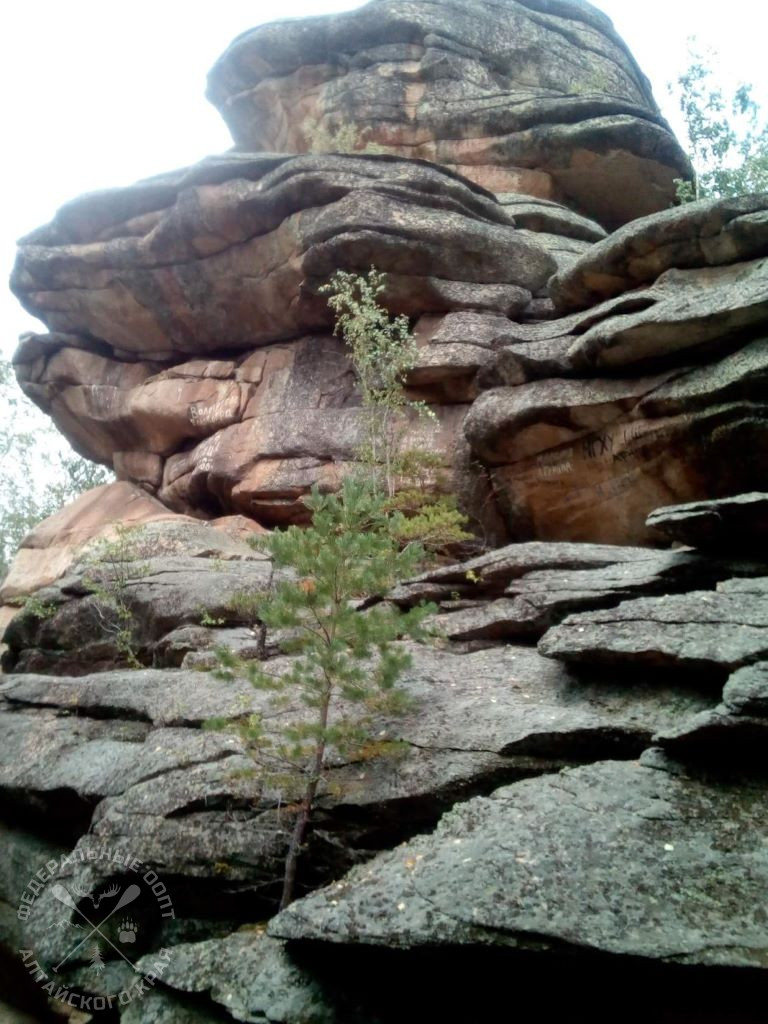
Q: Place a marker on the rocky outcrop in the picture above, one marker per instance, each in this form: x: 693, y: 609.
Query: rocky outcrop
x: 530, y: 97
x: 700, y: 632
x: 495, y: 736
x: 250, y: 430
x: 592, y: 419
x: 576, y: 787
x: 244, y: 232
x: 569, y: 370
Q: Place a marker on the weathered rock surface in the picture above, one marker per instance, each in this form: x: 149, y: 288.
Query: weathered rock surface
x: 700, y: 631
x: 521, y: 590
x: 708, y: 233
x: 56, y: 544
x: 738, y: 523
x: 733, y: 734
x: 521, y: 97
x: 534, y: 866
x: 119, y: 761
x: 577, y: 459
x: 251, y: 976
x: 118, y: 277
x: 580, y: 381
x: 477, y: 719
x: 76, y: 627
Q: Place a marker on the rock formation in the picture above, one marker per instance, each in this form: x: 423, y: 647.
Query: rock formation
x: 568, y: 369
x: 534, y: 97
x: 581, y: 788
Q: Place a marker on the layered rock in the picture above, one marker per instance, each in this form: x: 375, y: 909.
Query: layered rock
x: 138, y: 284
x: 579, y: 785
x: 190, y: 343
x: 654, y: 396
x: 530, y: 97
x: 537, y: 770
x: 738, y: 523
x: 493, y: 872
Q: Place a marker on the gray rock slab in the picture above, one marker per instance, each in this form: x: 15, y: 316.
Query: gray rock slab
x: 732, y: 736
x: 615, y: 857
x: 543, y: 597
x: 710, y: 232
x: 695, y: 631
x: 251, y: 976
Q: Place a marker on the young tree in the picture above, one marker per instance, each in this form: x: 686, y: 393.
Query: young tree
x: 727, y: 136
x: 111, y: 567
x: 345, y: 668
x: 383, y: 350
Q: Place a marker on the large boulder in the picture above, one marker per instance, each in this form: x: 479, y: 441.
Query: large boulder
x: 531, y: 97
x: 226, y: 241
x: 139, y: 284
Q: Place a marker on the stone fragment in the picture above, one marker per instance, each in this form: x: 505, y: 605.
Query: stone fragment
x: 738, y: 523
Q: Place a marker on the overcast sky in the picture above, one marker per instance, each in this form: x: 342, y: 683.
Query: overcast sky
x: 99, y: 93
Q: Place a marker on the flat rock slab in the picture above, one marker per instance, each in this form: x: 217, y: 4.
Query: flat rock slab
x: 739, y: 523
x: 665, y: 321
x: 544, y: 597
x: 732, y: 736
x: 707, y: 631
x: 613, y: 857
x: 491, y: 573
x: 710, y: 232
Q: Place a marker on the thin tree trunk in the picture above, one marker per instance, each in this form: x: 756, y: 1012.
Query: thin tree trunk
x: 297, y: 839
x: 261, y: 643
x: 305, y: 812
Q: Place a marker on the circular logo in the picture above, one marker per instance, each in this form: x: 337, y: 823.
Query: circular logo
x: 97, y: 931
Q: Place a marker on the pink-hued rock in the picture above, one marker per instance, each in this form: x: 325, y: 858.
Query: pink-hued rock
x: 543, y: 99
x: 57, y: 543
x: 238, y: 247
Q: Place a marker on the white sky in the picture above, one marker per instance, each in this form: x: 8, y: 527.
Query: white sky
x: 99, y: 93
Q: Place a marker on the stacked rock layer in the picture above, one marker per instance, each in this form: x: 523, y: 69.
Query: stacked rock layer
x: 191, y: 349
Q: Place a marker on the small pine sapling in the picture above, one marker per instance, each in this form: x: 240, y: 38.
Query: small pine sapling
x: 346, y: 664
